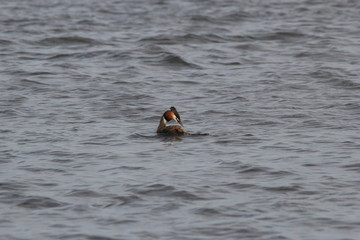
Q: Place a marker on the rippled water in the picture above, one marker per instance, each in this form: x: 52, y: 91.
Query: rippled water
x: 275, y: 84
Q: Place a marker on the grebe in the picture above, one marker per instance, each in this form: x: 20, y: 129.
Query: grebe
x: 169, y: 115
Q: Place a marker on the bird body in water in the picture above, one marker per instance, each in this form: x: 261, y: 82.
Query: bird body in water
x: 169, y: 115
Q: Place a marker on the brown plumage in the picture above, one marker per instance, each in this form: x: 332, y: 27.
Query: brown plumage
x: 172, y: 130
x: 169, y: 115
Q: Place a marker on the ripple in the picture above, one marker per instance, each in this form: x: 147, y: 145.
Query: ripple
x: 253, y: 169
x: 37, y: 202
x: 13, y: 186
x: 186, y: 38
x: 42, y: 170
x: 131, y: 168
x: 71, y: 236
x: 5, y: 42
x: 352, y: 167
x: 72, y: 40
x: 124, y: 200
x: 167, y: 207
x: 186, y: 82
x: 280, y: 35
x: 83, y: 193
x: 31, y: 83
x: 207, y: 212
x: 79, y: 55
x: 196, y: 134
x: 282, y: 189
x: 114, y: 221
x: 336, y: 78
x: 235, y: 16
x: 295, y: 115
x: 161, y: 190
x: 168, y: 59
x: 173, y: 60
x: 344, y: 83
x: 239, y: 186
x: 220, y: 231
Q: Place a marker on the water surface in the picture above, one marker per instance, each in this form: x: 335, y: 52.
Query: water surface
x: 275, y: 84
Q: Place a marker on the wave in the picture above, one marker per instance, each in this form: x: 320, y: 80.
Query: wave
x: 336, y: 78
x: 157, y: 56
x: 72, y: 40
x: 162, y: 190
x: 184, y: 38
x: 38, y: 202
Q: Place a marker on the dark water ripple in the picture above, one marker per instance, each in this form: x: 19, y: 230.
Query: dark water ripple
x: 268, y: 90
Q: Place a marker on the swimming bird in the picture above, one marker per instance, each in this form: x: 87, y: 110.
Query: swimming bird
x: 169, y: 115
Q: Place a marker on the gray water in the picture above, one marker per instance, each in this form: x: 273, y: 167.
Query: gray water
x: 275, y: 84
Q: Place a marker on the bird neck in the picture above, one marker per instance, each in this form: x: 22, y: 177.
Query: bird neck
x: 162, y: 123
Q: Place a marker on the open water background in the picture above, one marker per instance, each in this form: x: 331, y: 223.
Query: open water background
x: 274, y: 83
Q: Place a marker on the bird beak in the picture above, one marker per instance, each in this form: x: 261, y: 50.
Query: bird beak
x: 179, y: 121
